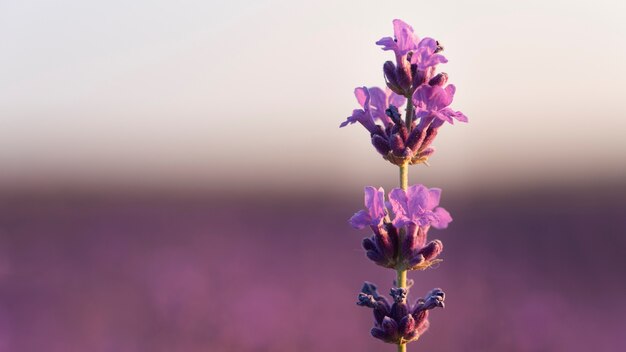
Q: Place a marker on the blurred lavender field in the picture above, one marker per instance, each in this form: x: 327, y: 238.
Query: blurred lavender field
x: 539, y: 271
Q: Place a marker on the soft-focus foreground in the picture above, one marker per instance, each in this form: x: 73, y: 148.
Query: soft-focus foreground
x: 540, y: 270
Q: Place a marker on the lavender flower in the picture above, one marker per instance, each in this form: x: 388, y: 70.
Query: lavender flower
x: 418, y: 205
x: 432, y: 101
x: 374, y: 211
x: 415, y: 210
x: 388, y: 132
x: 374, y: 102
x: 415, y: 59
x: 399, y: 322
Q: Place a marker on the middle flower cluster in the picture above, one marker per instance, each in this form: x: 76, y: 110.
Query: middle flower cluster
x: 401, y: 243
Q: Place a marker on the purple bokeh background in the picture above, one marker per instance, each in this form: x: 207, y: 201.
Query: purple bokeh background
x: 540, y: 270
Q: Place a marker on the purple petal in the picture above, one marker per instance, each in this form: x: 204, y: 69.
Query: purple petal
x: 375, y: 203
x: 427, y: 43
x: 360, y: 219
x: 439, y: 97
x: 387, y: 43
x: 395, y: 99
x: 425, y: 56
x: 423, y: 115
x: 378, y: 104
x: 362, y: 95
x: 405, y: 37
x: 398, y: 201
x: 417, y: 199
x: 454, y: 114
x: 450, y: 90
x: 434, y: 195
x: 421, y: 95
x: 353, y: 118
x: 443, y: 218
x: 364, y: 118
x: 443, y: 116
x: 432, y: 60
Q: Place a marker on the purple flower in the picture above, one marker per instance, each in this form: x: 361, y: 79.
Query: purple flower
x: 404, y: 40
x: 415, y: 211
x: 432, y: 102
x: 418, y: 205
x: 375, y: 210
x: 399, y: 322
x: 426, y: 55
x: 374, y: 102
x: 415, y: 59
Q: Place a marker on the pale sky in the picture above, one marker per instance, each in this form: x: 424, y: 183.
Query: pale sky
x: 250, y: 94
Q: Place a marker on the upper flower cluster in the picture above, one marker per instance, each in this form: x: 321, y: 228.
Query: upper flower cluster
x: 410, y: 79
x: 415, y: 59
x: 415, y: 211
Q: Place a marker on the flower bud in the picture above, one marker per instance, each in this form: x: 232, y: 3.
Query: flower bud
x: 368, y: 245
x: 399, y: 310
x: 376, y: 257
x: 415, y: 138
x: 403, y: 74
x: 439, y: 80
x: 397, y: 144
x: 390, y: 327
x: 421, y: 328
x: 389, y: 70
x: 406, y: 326
x: 381, y: 310
x: 399, y: 294
x: 416, y: 260
x: 381, y: 144
x: 434, y: 299
x: 430, y: 137
x: 365, y: 300
x: 384, y: 244
x: 419, y: 78
x: 394, y: 114
x: 381, y: 335
x: 426, y: 153
x: 432, y: 250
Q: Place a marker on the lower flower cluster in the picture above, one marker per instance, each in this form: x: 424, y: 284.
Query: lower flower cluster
x: 399, y: 322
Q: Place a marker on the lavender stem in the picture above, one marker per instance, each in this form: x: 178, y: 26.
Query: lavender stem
x: 404, y: 182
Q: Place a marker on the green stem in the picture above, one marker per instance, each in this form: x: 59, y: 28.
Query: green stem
x: 404, y: 176
x: 401, y: 274
x: 401, y: 278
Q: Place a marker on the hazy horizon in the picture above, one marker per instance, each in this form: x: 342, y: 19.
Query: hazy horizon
x: 208, y: 95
